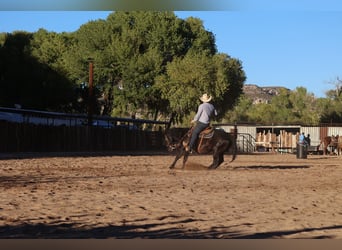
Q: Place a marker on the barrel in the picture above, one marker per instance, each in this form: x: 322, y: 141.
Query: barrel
x: 302, y: 151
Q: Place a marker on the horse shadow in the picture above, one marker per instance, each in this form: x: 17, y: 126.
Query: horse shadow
x: 282, y: 167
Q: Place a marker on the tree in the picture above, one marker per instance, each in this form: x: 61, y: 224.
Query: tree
x: 330, y: 108
x: 154, y: 52
x: 26, y: 81
x: 303, y: 105
x: 240, y: 112
x: 337, y: 91
x: 90, y: 42
x: 287, y: 107
x: 50, y: 48
x: 142, y: 45
x: 139, y: 57
x: 188, y: 78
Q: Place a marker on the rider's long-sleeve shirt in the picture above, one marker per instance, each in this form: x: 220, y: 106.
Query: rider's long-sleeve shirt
x: 204, y: 113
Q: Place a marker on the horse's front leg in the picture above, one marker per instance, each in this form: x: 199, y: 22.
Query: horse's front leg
x: 178, y: 156
x: 186, y: 156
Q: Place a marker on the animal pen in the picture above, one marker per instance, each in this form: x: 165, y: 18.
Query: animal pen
x: 279, y: 138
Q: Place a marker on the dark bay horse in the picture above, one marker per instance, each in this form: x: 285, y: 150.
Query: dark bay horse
x: 217, y: 142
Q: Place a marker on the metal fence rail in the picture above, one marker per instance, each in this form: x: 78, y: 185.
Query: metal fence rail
x: 245, y: 143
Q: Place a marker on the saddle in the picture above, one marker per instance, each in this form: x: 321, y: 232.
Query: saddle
x: 207, y: 133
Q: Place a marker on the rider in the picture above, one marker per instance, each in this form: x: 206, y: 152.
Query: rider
x: 302, y: 138
x: 201, y: 119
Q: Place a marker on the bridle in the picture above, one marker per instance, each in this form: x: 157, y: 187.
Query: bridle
x: 178, y: 144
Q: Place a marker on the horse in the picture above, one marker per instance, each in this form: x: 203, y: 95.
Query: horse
x: 339, y: 145
x: 217, y: 142
x: 329, y: 141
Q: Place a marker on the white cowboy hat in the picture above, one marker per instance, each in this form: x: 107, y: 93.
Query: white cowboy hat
x: 205, y: 98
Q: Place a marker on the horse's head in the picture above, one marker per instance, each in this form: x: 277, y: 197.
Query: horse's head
x: 171, y: 142
x: 334, y: 140
x: 174, y: 138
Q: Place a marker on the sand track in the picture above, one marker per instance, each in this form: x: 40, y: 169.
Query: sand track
x: 256, y: 196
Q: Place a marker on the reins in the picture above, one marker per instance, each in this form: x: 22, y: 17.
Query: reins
x: 185, y: 135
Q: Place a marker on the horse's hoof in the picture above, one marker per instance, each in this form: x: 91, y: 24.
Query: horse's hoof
x: 212, y: 167
x: 172, y: 172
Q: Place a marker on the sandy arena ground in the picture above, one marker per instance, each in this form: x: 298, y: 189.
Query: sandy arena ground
x: 256, y: 196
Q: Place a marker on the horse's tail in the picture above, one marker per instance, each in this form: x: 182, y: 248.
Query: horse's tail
x: 234, y: 144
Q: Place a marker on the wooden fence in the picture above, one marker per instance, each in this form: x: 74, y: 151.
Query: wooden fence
x: 285, y: 141
x: 27, y: 137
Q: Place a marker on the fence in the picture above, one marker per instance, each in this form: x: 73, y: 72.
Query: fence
x: 21, y: 137
x: 284, y: 142
x: 280, y: 138
x: 34, y: 131
x: 245, y: 143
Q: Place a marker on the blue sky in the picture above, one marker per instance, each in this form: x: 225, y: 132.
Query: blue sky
x: 289, y: 48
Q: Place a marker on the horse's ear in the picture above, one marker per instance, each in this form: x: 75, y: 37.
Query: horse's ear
x: 170, y: 121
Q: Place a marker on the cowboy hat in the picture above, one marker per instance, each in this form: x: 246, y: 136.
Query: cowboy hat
x: 205, y: 98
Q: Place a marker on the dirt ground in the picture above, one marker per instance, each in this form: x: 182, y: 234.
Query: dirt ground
x: 137, y: 196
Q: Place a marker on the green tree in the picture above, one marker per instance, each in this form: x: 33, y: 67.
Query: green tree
x: 188, y: 78
x: 139, y: 57
x: 50, y: 48
x: 330, y: 108
x: 25, y: 80
x: 90, y: 43
x: 240, y: 112
x: 200, y: 40
x: 287, y: 107
x: 304, y: 107
x: 142, y: 45
x: 3, y: 37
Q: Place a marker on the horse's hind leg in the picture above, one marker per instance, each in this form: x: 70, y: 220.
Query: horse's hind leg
x: 217, y: 160
x: 218, y: 154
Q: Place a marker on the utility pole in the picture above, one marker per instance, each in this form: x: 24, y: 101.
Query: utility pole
x: 90, y: 92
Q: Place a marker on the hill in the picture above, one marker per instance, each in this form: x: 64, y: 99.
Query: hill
x: 261, y: 94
